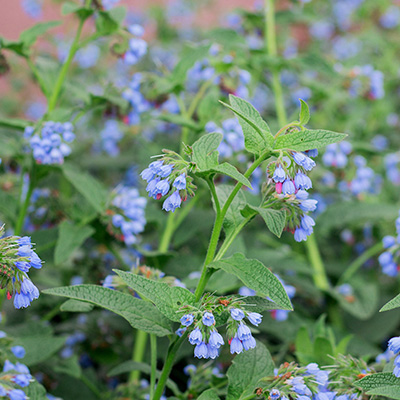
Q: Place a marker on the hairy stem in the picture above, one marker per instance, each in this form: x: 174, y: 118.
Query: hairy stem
x: 138, y: 352
x: 153, y: 348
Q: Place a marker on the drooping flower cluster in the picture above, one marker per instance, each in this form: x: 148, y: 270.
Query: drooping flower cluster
x: 16, y: 258
x: 111, y: 135
x: 14, y: 375
x: 289, y: 174
x: 50, y: 146
x: 233, y: 139
x: 394, y: 346
x: 169, y: 176
x: 137, y: 46
x: 127, y: 214
x: 366, y: 81
x: 336, y: 154
x: 388, y: 260
x: 137, y: 101
x: 206, y: 338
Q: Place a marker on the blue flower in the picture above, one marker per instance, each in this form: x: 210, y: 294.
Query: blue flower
x: 172, y: 202
x: 165, y: 170
x: 249, y: 343
x: 274, y: 394
x: 180, y: 182
x: 201, y: 350
x: 243, y: 332
x: 18, y: 351
x: 148, y: 174
x: 180, y: 331
x: 394, y: 344
x: 385, y: 258
x: 236, y: 346
x: 208, y: 319
x: 190, y: 369
x: 187, y: 319
x: 300, y: 235
x: 279, y: 174
x: 195, y: 337
x: 255, y: 318
x: 162, y: 188
x: 216, y: 339
x: 302, y: 181
x: 237, y: 314
x: 21, y: 300
x: 308, y: 205
x: 212, y: 351
x: 137, y: 49
x: 288, y: 187
x: 16, y: 394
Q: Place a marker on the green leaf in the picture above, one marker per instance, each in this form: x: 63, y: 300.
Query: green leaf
x: 36, y: 391
x: 322, y: 350
x: 209, y: 394
x: 304, y: 346
x: 91, y: 189
x: 258, y: 304
x: 168, y: 299
x: 69, y: 366
x: 205, y: 153
x: 392, y: 304
x: 387, y: 391
x: 29, y: 36
x: 179, y: 119
x: 304, y: 116
x: 228, y: 169
x: 246, y: 370
x: 257, y: 135
x: 341, y: 347
x: 255, y: 276
x: 139, y: 313
x: 39, y: 347
x: 76, y: 306
x: 275, y: 219
x: 8, y: 206
x: 130, y: 365
x: 108, y: 22
x: 70, y: 238
x: 374, y: 381
x: 307, y: 139
x: 82, y: 12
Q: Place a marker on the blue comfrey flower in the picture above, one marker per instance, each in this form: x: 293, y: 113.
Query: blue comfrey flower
x: 201, y: 350
x: 33, y: 8
x: 254, y: 318
x: 165, y: 170
x: 279, y: 174
x: 308, y: 205
x: 307, y: 223
x: 208, y: 319
x: 17, y: 394
x: 274, y: 394
x: 302, y: 181
x: 180, y: 182
x: 187, y: 319
x: 195, y: 337
x: 396, y: 370
x: 180, y: 331
x: 394, y: 344
x: 111, y: 135
x: 236, y: 346
x: 161, y: 189
x: 213, y: 352
x: 249, y: 343
x: 137, y: 49
x: 216, y: 340
x: 288, y: 187
x: 237, y: 314
x: 190, y: 369
x: 18, y: 351
x: 172, y: 202
x: 243, y: 332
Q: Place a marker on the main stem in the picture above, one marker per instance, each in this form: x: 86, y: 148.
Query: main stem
x: 319, y: 274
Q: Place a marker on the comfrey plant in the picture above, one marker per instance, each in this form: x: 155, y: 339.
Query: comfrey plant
x: 284, y: 204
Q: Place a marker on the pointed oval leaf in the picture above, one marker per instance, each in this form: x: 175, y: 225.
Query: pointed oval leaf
x: 228, y: 169
x: 205, y: 153
x: 274, y: 219
x: 304, y: 116
x: 392, y: 304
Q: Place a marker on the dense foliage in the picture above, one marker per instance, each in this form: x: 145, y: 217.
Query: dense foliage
x: 207, y: 213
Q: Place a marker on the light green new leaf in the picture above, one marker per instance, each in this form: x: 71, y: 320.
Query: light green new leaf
x: 255, y: 276
x: 246, y: 370
x: 275, y: 219
x: 30, y: 36
x: 90, y: 188
x: 392, y: 304
x: 168, y: 299
x: 139, y: 313
x: 307, y: 140
x: 304, y: 116
x: 70, y: 238
x: 70, y: 7
x: 228, y: 169
x: 374, y: 381
x: 209, y: 394
x: 205, y: 153
x: 257, y: 135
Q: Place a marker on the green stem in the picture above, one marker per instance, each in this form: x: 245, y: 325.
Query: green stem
x: 319, y: 273
x: 91, y: 386
x: 18, y: 124
x: 37, y: 76
x: 24, y: 208
x: 64, y: 69
x: 153, y: 348
x: 167, y: 234
x: 359, y: 262
x: 270, y: 42
x: 138, y: 352
x: 169, y: 362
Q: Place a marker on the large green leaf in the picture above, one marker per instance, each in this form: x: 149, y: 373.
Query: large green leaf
x: 257, y: 277
x: 391, y: 392
x: 168, y: 299
x: 246, y: 370
x: 70, y: 238
x: 374, y: 381
x: 139, y: 313
x: 36, y: 391
x: 90, y: 188
x: 209, y: 394
x: 230, y: 170
x: 205, y: 153
x: 275, y: 219
x: 257, y: 135
x: 307, y: 139
x: 392, y: 304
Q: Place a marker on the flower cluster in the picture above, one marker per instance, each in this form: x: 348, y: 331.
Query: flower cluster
x: 50, y: 146
x: 16, y: 258
x: 137, y: 46
x: 206, y: 338
x: 17, y: 374
x: 169, y: 176
x: 289, y: 174
x: 392, y: 171
x: 135, y: 98
x: 233, y: 139
x: 111, y: 135
x: 366, y: 81
x: 394, y: 346
x: 33, y: 8
x: 336, y: 154
x: 127, y: 213
x: 388, y: 260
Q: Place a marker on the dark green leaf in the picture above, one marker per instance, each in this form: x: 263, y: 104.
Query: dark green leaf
x: 76, y: 306
x: 230, y: 170
x: 392, y: 304
x: 275, y: 219
x: 205, y: 153
x: 209, y: 394
x: 374, y: 381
